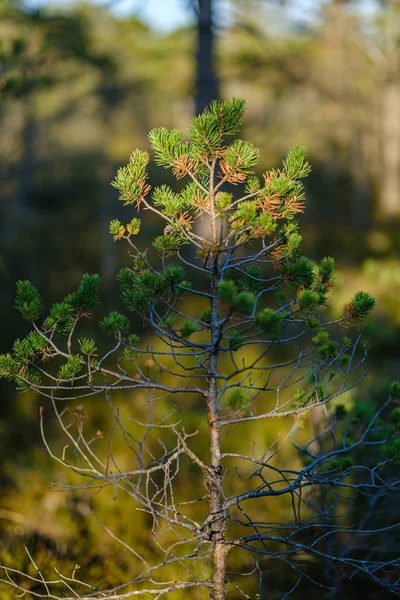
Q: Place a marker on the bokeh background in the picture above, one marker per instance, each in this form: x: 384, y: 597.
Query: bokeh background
x: 81, y: 85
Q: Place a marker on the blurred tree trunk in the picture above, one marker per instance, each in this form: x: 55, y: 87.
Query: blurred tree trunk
x: 362, y: 197
x: 206, y: 78
x: 389, y: 205
x: 390, y: 199
x: 28, y: 157
x: 24, y: 214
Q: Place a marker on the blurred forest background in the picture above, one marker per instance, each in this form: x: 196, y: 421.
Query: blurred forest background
x: 81, y: 85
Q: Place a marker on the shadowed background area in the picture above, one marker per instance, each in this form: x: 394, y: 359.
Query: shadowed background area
x: 81, y: 85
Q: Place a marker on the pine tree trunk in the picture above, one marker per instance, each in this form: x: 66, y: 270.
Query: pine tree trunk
x: 213, y: 480
x: 206, y: 79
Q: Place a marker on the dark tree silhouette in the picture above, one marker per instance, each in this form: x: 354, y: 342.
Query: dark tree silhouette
x: 206, y: 77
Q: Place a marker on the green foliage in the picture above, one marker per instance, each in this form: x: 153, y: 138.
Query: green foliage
x: 316, y: 393
x: 363, y: 304
x: 250, y: 281
x: 71, y: 368
x: 359, y: 308
x: 320, y: 393
x: 391, y: 452
x: 129, y: 354
x: 133, y: 339
x: 244, y: 303
x: 87, y: 346
x: 228, y: 114
x: 205, y: 133
x: 395, y: 417
x: 241, y: 156
x: 298, y: 273
x: 293, y: 241
x: 295, y: 164
x: 206, y: 315
x: 131, y: 180
x: 59, y: 318
x: 237, y: 399
x: 140, y: 289
x: 219, y: 119
x: 132, y: 342
x: 174, y: 274
x: 171, y: 203
x: 344, y: 360
x: 23, y: 350
x: 236, y: 341
x: 270, y: 322
x: 264, y: 225
x: 321, y: 338
x: 328, y: 349
x: 133, y: 227
x: 114, y: 323
x: 362, y: 413
x: 188, y: 328
x: 18, y: 368
x: 9, y: 366
x: 138, y: 264
x: 347, y: 463
x: 309, y: 299
x: 191, y: 197
x: 168, y: 244
x: 27, y: 301
x: 248, y: 223
x: 326, y: 270
x: 252, y: 185
x: 85, y: 298
x: 169, y: 320
x: 289, y: 191
x: 312, y: 321
x: 342, y: 464
x: 223, y: 200
x: 167, y: 145
x: 37, y: 341
x: 300, y: 398
x: 245, y: 215
x: 394, y: 389
x: 63, y: 314
x: 117, y: 229
x: 29, y: 380
x: 149, y: 281
x: 227, y: 291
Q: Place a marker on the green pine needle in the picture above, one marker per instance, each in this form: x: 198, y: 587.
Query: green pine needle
x: 27, y: 301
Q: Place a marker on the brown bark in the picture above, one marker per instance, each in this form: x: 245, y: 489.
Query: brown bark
x: 213, y: 479
x: 219, y: 561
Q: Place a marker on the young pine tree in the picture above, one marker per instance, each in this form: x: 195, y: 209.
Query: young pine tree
x: 240, y: 440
